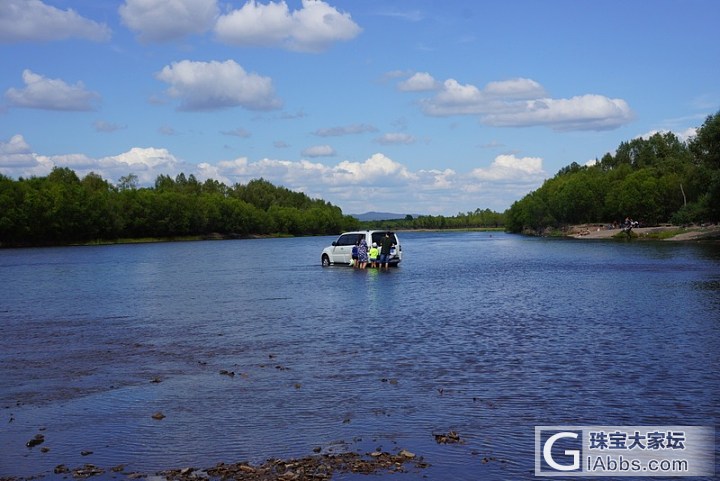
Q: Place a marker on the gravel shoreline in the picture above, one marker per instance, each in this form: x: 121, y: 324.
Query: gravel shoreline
x: 676, y: 233
x: 319, y: 467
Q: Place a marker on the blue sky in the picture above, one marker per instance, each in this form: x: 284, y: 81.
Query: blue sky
x: 397, y: 106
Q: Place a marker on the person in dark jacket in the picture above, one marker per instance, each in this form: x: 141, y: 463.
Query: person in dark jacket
x: 387, y: 244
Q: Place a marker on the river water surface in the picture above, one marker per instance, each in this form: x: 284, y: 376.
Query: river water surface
x: 484, y: 334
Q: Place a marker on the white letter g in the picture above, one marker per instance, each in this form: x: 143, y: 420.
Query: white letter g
x: 547, y: 452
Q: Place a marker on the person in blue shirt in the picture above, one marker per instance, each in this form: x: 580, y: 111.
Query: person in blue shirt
x: 355, y: 254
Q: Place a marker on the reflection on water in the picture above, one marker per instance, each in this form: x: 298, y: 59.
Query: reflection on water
x: 484, y: 334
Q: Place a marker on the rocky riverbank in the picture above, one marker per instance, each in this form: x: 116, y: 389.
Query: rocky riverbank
x: 663, y: 232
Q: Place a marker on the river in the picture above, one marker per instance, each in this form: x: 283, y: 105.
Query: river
x: 252, y: 350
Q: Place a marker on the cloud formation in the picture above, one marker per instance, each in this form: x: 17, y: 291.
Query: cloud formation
x: 586, y: 112
x: 313, y: 28
x: 357, y: 186
x: 508, y: 168
x: 518, y: 102
x: 345, y: 130
x: 163, y: 20
x: 51, y: 94
x: 34, y: 21
x: 319, y: 151
x: 216, y: 85
x: 16, y: 155
x: 104, y: 126
x: 238, y: 132
x: 392, y: 138
x: 418, y: 82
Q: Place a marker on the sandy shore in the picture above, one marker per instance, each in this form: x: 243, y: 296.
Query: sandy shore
x: 676, y: 233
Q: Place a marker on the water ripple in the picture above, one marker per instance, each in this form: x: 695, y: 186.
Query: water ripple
x: 488, y: 336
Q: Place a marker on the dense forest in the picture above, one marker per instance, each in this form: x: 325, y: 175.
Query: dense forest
x: 656, y: 180
x: 64, y: 209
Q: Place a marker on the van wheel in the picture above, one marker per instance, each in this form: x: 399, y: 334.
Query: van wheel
x: 325, y: 261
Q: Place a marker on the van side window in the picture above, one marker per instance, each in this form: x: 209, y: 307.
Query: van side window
x: 347, y: 240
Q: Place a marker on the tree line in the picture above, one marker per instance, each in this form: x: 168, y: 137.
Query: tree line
x: 477, y: 219
x: 656, y: 180
x: 61, y: 209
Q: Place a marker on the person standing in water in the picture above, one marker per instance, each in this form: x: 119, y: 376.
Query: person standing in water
x: 362, y: 254
x: 373, y: 254
x: 387, y: 244
x: 354, y: 256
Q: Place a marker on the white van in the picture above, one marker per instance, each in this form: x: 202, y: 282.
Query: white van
x: 340, y: 252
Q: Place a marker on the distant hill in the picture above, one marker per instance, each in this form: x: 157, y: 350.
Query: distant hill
x: 380, y: 216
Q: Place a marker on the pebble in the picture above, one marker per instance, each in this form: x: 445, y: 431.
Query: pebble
x: 449, y: 438
x: 38, y: 439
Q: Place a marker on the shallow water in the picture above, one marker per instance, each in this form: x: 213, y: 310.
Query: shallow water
x: 485, y: 334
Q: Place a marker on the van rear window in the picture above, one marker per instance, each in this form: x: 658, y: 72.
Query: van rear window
x: 378, y: 237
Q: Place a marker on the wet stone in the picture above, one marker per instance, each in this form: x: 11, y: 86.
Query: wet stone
x: 311, y: 467
x: 87, y: 471
x: 450, y: 438
x: 38, y: 439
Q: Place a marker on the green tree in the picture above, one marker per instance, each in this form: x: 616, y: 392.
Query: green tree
x: 705, y: 146
x: 128, y: 182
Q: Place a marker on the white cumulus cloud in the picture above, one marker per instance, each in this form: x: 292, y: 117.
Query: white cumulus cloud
x: 216, y: 85
x: 377, y: 182
x: 377, y: 170
x: 508, y: 168
x: 144, y: 158
x: 518, y: 88
x: 312, y: 28
x: 523, y: 102
x: 16, y: 154
x: 163, y: 20
x: 586, y: 112
x: 435, y: 179
x: 145, y: 162
x: 683, y: 135
x: 51, y: 94
x: 33, y: 20
x: 419, y: 82
x: 455, y: 98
